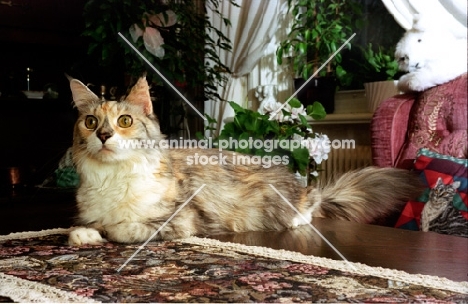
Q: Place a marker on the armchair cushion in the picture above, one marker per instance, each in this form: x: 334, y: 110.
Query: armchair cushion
x: 438, y: 121
x: 434, y: 119
x: 430, y: 166
x: 388, y: 129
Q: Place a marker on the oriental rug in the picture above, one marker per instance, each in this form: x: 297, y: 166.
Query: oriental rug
x: 41, y: 267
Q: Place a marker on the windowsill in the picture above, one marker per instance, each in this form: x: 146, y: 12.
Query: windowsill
x: 350, y: 108
x: 343, y: 118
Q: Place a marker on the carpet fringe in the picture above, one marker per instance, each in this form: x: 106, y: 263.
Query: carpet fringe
x: 24, y: 291
x: 31, y: 234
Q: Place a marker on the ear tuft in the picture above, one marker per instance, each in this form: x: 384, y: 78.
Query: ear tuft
x: 82, y: 95
x: 140, y: 95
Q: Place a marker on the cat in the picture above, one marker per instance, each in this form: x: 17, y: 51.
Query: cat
x: 126, y: 195
x: 439, y: 215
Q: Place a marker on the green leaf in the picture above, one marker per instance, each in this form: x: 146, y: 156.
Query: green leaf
x: 244, y: 137
x: 236, y: 107
x: 228, y: 130
x: 251, y: 123
x: 302, y: 48
x: 279, y: 55
x: 199, y: 135
x: 295, y: 103
x: 315, y: 34
x: 301, y: 158
x: 308, y: 35
x: 340, y: 72
x: 316, y: 111
x: 303, y: 120
x: 210, y: 119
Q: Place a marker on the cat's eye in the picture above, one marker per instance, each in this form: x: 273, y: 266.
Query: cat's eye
x: 91, y: 122
x: 125, y: 121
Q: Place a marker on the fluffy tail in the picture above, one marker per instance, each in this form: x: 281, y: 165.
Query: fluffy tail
x: 367, y: 194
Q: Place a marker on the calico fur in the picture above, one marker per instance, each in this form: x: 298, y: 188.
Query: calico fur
x: 126, y: 195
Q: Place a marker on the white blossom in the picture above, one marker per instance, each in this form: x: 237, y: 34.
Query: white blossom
x: 153, y: 42
x: 152, y: 38
x: 295, y: 112
x: 276, y: 112
x: 318, y: 146
x: 293, y: 116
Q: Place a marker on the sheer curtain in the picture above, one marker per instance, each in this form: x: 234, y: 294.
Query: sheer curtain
x: 253, y: 31
x: 453, y: 13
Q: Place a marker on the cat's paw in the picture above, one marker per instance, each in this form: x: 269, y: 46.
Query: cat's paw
x: 82, y: 236
x: 303, y: 219
x: 415, y: 81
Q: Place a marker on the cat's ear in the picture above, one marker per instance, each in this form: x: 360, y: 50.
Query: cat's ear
x: 439, y: 182
x: 456, y: 185
x: 140, y: 95
x: 82, y: 95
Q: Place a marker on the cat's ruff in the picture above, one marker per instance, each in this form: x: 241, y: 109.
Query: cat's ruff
x: 126, y: 195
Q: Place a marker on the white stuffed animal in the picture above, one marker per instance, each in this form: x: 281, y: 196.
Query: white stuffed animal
x: 431, y: 54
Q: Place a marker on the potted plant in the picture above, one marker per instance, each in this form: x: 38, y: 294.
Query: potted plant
x: 277, y: 137
x: 379, y: 70
x: 379, y: 64
x: 318, y: 29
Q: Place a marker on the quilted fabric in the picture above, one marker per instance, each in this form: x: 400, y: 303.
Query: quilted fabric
x: 430, y: 166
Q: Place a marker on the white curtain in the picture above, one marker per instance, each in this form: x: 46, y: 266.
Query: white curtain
x: 253, y: 34
x: 453, y: 13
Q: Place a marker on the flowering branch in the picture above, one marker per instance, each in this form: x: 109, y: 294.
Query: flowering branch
x: 152, y: 38
x: 290, y: 124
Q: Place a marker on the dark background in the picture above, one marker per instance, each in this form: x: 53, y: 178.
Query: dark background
x: 45, y: 35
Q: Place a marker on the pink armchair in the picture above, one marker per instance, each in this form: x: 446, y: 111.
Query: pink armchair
x: 434, y: 119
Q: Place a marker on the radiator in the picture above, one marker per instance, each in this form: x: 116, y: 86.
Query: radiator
x: 343, y: 160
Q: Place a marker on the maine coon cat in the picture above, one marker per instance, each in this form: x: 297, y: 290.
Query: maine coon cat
x: 439, y: 215
x: 126, y: 194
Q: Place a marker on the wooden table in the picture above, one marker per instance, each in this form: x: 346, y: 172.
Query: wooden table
x: 411, y: 251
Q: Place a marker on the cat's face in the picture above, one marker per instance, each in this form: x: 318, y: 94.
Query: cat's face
x: 107, y: 131
x: 442, y: 193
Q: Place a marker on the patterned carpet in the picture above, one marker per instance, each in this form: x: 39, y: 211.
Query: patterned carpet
x: 40, y: 267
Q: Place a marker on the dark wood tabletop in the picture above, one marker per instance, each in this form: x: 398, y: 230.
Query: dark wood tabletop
x: 410, y: 251
x: 414, y: 252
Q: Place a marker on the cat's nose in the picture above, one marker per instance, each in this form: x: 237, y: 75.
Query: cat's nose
x: 104, y: 136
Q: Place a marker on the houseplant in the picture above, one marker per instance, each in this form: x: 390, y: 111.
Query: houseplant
x: 318, y: 29
x: 379, y: 70
x: 183, y: 28
x: 175, y: 36
x: 379, y: 64
x: 284, y: 134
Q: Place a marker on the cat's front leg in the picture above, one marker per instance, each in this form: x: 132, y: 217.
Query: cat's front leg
x: 83, y: 235
x: 140, y: 232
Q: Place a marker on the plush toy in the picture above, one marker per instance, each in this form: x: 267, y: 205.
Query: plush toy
x: 431, y: 53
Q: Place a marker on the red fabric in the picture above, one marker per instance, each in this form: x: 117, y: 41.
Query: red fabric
x: 388, y: 129
x: 430, y: 166
x: 434, y: 119
x: 412, y: 211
